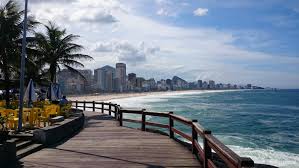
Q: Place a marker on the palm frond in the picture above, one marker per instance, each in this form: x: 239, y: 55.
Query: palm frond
x: 72, y: 63
x: 74, y: 71
x: 80, y: 56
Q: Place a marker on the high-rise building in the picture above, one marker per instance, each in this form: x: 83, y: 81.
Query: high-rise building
x: 131, y: 76
x: 149, y: 85
x: 104, y: 78
x: 74, y: 83
x: 139, y: 82
x: 211, y: 84
x: 121, y: 75
x: 88, y: 81
x: 131, y: 81
x: 199, y: 84
x: 169, y: 84
x: 205, y: 85
x: 161, y: 85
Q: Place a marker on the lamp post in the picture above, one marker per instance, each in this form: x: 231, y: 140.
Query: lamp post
x: 22, y: 68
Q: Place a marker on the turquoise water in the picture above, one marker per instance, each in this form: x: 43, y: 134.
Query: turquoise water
x: 260, y: 124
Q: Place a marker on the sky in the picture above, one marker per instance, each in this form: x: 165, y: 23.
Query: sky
x: 231, y: 41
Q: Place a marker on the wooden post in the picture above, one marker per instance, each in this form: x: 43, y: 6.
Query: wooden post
x: 194, y: 137
x: 84, y: 105
x: 118, y: 112
x: 93, y: 106
x: 110, y: 108
x: 102, y: 107
x: 120, y: 118
x: 246, y: 162
x: 207, y: 149
x: 115, y: 111
x: 171, y: 135
x: 143, y: 120
x: 77, y: 104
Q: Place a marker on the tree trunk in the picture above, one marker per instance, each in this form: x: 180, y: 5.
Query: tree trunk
x: 7, y: 84
x: 7, y: 93
x: 5, y: 71
x: 53, y: 73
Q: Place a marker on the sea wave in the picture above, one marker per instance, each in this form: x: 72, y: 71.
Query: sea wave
x: 265, y: 156
x: 143, y: 101
x: 268, y: 156
x: 277, y: 147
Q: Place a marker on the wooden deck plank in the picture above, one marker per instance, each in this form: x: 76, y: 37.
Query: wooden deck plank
x: 102, y: 143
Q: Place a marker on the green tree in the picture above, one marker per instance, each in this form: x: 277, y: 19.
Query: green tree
x: 11, y: 24
x: 58, y: 50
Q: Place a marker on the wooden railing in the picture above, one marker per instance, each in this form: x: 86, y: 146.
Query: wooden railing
x: 204, y: 153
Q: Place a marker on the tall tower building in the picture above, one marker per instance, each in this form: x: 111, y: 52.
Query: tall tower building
x: 132, y: 77
x: 199, y: 84
x: 121, y: 75
x: 131, y: 81
x: 104, y: 78
x: 211, y: 84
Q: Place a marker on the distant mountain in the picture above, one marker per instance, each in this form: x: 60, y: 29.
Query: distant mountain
x: 177, y: 80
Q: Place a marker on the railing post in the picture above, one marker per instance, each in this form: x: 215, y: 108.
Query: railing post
x: 246, y: 162
x: 84, y: 105
x: 77, y: 104
x: 118, y: 110
x: 207, y: 149
x: 143, y: 120
x: 171, y: 135
x: 194, y: 137
x: 110, y: 108
x: 93, y: 106
x: 115, y: 111
x: 102, y: 107
x: 120, y: 117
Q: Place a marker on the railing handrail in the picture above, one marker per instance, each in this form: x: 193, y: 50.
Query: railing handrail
x: 230, y: 158
x: 181, y: 119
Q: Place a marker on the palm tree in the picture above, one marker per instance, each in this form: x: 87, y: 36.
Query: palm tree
x: 11, y: 24
x: 59, y: 50
x: 35, y: 69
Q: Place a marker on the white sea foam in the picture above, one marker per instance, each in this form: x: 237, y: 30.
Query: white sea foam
x: 265, y: 156
x: 268, y: 156
x: 143, y: 101
x: 261, y: 156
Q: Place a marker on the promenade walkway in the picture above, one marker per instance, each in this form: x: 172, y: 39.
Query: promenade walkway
x: 103, y: 143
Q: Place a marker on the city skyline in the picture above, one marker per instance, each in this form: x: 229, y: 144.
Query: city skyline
x: 241, y: 42
x: 108, y: 79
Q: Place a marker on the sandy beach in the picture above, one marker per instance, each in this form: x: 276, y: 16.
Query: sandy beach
x: 113, y: 96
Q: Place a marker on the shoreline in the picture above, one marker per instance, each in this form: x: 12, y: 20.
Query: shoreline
x: 114, y: 96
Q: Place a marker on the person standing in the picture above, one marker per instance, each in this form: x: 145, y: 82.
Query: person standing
x: 63, y: 101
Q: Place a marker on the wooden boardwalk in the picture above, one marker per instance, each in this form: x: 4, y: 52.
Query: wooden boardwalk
x: 103, y: 143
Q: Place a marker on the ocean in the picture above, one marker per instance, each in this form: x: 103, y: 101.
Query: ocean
x: 261, y: 124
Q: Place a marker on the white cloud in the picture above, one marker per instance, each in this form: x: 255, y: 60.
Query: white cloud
x: 163, y: 12
x: 127, y: 52
x: 200, y: 12
x: 93, y: 16
x: 160, y: 50
x: 170, y: 8
x: 51, y: 1
x: 77, y: 11
x: 184, y: 4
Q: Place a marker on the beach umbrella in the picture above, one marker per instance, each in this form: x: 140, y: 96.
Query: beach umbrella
x: 58, y: 92
x: 51, y: 93
x: 30, y: 95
